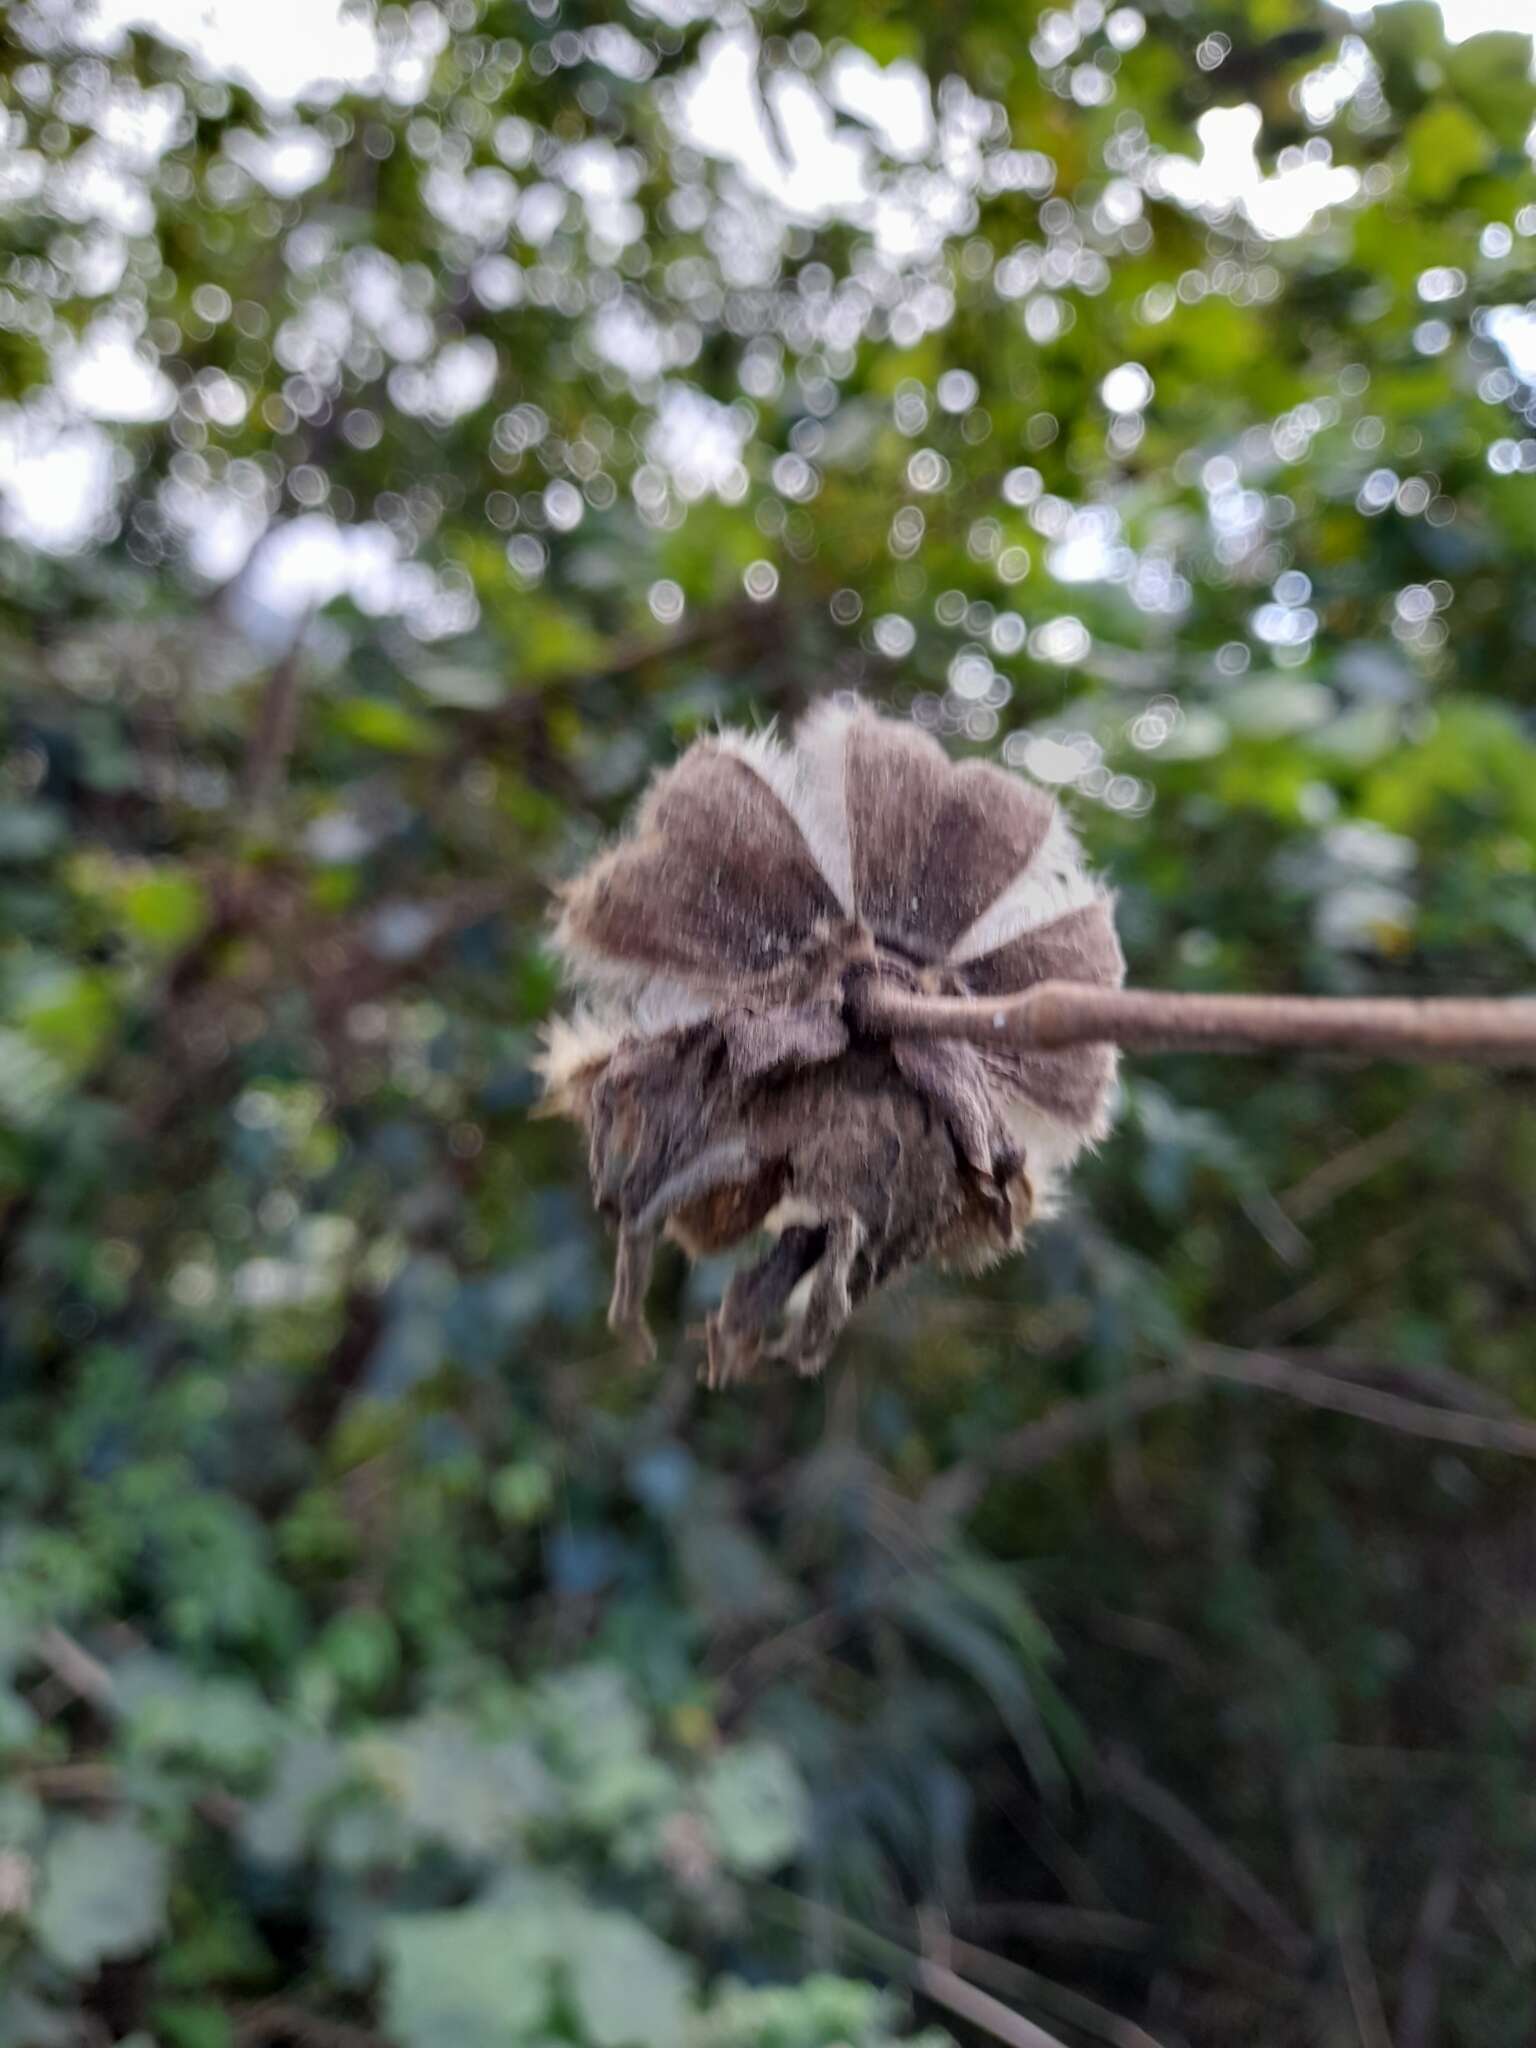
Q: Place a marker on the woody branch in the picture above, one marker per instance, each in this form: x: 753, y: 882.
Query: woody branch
x: 1490, y: 1031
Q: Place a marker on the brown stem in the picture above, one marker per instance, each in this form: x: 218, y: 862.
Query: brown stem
x: 1125, y: 1778
x: 1281, y: 1375
x: 984, y: 2012
x: 1419, y: 1995
x: 1053, y: 1014
x: 277, y: 727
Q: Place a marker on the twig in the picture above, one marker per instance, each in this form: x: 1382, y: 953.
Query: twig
x: 1280, y: 1375
x: 1074, y: 1422
x: 277, y: 727
x: 278, y: 2019
x: 1084, y: 2013
x: 1070, y: 1423
x: 102, y: 1783
x: 930, y: 1977
x: 77, y: 1668
x: 1481, y: 1422
x: 1325, y: 1869
x: 1360, y: 1975
x: 1355, y: 1164
x: 980, y: 2008
x: 1053, y: 1014
x: 91, y: 1782
x: 1069, y: 1926
x: 1078, y: 1926
x: 1419, y: 1993
x: 1439, y: 1385
x: 801, y: 1641
x: 1381, y: 1261
x: 1155, y: 1803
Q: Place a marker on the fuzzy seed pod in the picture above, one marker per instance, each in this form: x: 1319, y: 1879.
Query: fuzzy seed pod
x: 723, y: 1089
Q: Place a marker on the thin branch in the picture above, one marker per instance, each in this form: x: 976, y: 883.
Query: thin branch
x: 85, y: 1675
x: 1325, y: 1866
x: 1472, y: 1418
x: 279, y: 2019
x: 923, y: 1973
x: 1075, y: 1422
x: 1155, y: 1803
x: 800, y: 1642
x: 1380, y: 1262
x: 1356, y: 1164
x: 1066, y: 1425
x: 1081, y: 1927
x: 1084, y: 2013
x: 1279, y: 1375
x: 277, y: 727
x: 1054, y: 1014
x: 1419, y: 1992
x: 980, y: 2008
x: 1439, y: 1385
x: 1067, y: 1926
x: 102, y: 1784
x: 93, y: 1783
x: 1360, y: 1983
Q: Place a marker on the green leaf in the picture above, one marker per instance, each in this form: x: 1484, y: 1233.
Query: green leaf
x: 165, y: 909
x: 1492, y: 73
x: 103, y: 1894
x: 222, y: 1722
x: 476, y: 1979
x: 67, y: 1011
x: 309, y: 1771
x: 454, y: 1788
x: 193, y: 2026
x: 628, y: 1988
x: 30, y: 831
x: 757, y: 1806
x: 390, y: 728
x: 1445, y: 144
x: 22, y: 2018
x: 30, y: 1081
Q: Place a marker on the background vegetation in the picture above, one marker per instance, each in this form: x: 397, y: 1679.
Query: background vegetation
x: 389, y: 481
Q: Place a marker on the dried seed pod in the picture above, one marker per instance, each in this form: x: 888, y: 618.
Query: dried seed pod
x: 722, y: 1087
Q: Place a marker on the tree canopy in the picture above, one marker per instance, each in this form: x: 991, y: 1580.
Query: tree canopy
x: 401, y: 455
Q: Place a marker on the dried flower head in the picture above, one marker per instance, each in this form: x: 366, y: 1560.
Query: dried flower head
x: 723, y: 1084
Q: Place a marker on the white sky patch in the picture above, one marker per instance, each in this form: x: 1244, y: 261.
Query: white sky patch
x: 56, y: 478
x: 286, y: 162
x: 1325, y: 93
x: 308, y: 562
x: 719, y: 111
x: 137, y: 122
x: 1228, y: 174
x: 301, y: 565
x: 283, y: 49
x: 606, y: 180
x: 458, y: 381
x: 1090, y: 547
x: 219, y: 527
x: 1465, y: 18
x: 1514, y: 329
x: 699, y: 442
x: 280, y: 48
x: 894, y: 101
x: 107, y: 378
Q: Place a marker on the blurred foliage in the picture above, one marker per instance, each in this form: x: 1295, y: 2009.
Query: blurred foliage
x: 388, y: 481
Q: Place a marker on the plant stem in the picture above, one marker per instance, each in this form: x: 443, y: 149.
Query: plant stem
x: 1493, y: 1031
